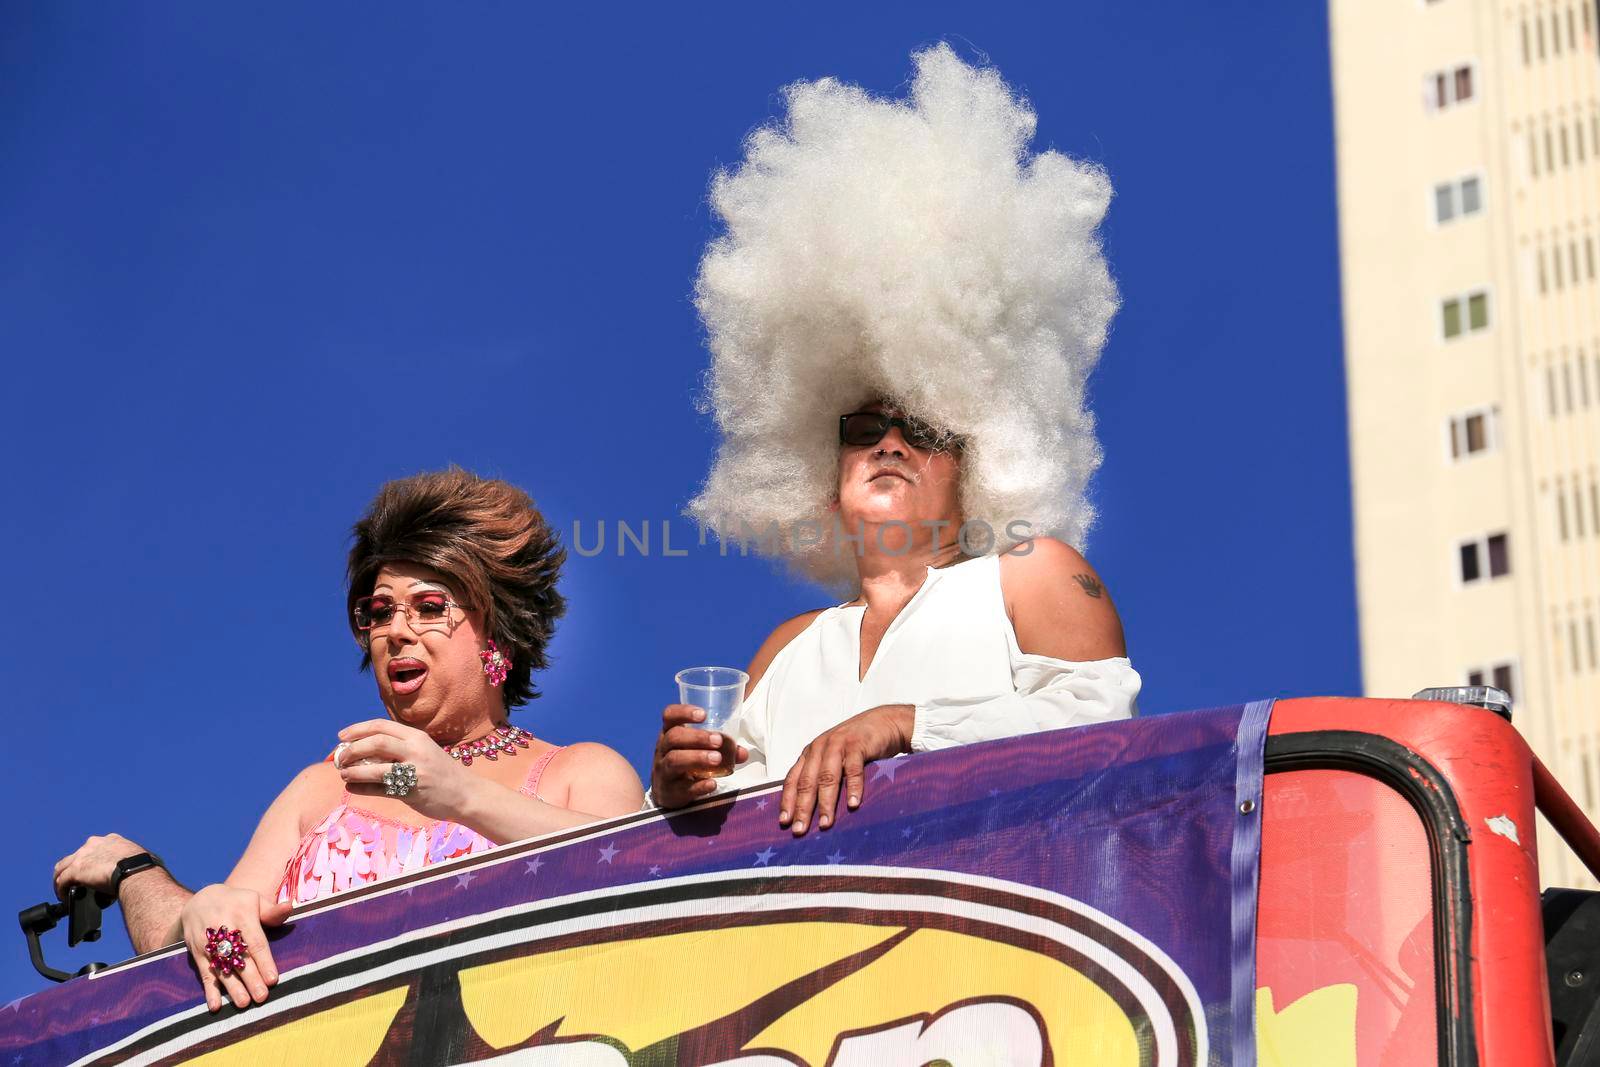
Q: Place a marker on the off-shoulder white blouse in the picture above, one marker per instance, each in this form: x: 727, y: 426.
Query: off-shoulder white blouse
x: 951, y: 652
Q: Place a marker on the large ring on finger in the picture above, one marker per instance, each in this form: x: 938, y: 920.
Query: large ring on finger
x: 399, y: 780
x: 225, y: 950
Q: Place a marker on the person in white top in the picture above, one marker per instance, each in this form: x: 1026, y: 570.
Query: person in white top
x: 939, y: 648
x: 910, y: 270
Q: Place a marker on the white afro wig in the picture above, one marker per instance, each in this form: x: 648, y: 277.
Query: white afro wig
x: 913, y: 251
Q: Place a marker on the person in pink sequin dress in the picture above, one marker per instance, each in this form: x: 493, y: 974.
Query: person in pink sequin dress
x: 452, y: 598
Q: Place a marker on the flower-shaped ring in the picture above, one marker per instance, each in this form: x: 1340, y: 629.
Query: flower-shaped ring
x: 225, y: 949
x: 399, y: 779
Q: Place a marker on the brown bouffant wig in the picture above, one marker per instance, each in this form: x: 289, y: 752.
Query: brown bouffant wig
x: 487, y: 537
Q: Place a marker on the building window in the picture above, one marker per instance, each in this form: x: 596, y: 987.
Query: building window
x: 1478, y: 311
x: 1447, y: 88
x: 1464, y: 314
x: 1472, y: 432
x: 1489, y: 557
x: 1502, y: 675
x: 1457, y: 199
x: 1499, y: 555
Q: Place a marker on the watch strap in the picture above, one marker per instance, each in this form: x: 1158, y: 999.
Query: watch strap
x: 130, y: 865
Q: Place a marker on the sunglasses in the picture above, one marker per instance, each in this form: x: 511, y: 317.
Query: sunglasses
x: 425, y: 610
x: 868, y: 428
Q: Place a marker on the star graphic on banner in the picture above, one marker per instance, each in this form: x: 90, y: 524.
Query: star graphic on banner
x: 408, y: 890
x: 465, y: 879
x: 764, y: 856
x: 836, y: 857
x: 905, y: 832
x: 608, y: 853
x: 656, y: 870
x: 885, y: 769
x: 761, y: 805
x: 993, y: 793
x: 533, y: 865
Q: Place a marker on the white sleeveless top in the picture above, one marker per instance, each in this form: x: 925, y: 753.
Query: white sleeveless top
x: 951, y: 652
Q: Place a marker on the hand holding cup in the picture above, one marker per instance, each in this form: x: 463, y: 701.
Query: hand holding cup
x: 693, y: 749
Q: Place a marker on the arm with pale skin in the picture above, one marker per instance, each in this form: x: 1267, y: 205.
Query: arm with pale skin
x: 1064, y: 622
x: 602, y: 784
x: 591, y: 778
x: 247, y: 901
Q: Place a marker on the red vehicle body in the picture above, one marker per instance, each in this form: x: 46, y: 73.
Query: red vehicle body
x: 1400, y: 892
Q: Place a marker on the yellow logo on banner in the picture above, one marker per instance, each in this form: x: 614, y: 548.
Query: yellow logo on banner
x: 863, y: 967
x: 933, y: 995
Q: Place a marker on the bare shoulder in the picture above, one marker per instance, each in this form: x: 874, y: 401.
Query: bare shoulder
x: 594, y: 778
x: 1058, y: 603
x: 311, y: 794
x: 306, y: 800
x: 586, y: 758
x: 785, y: 632
x: 317, y: 782
x: 1041, y: 557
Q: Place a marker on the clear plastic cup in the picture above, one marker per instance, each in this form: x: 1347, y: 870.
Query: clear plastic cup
x: 718, y: 691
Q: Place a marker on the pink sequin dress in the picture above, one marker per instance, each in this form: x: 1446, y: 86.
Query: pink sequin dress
x: 353, y: 846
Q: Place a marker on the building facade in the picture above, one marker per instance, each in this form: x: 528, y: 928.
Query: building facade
x: 1468, y: 153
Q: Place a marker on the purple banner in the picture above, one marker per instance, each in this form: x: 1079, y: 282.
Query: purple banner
x: 1082, y: 893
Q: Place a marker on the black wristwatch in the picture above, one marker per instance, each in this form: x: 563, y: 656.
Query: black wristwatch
x: 142, y: 861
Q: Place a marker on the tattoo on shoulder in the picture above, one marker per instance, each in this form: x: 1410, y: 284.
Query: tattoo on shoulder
x: 1090, y: 584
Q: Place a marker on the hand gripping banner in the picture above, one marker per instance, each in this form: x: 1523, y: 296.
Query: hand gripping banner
x: 1081, y: 896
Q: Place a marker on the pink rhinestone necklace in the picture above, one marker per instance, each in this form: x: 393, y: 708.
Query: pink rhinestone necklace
x: 505, y: 739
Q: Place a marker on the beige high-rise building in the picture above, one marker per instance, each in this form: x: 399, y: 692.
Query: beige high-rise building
x: 1468, y: 149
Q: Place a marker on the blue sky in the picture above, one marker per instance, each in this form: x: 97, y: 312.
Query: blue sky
x: 258, y: 260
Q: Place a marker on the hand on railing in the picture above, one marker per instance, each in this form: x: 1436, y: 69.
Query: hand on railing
x: 224, y: 930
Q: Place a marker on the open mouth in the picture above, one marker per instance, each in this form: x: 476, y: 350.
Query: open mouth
x: 406, y: 676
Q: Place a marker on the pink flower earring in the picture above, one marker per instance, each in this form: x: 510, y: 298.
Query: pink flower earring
x: 495, y: 664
